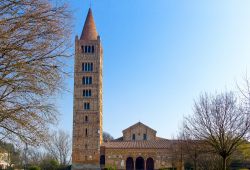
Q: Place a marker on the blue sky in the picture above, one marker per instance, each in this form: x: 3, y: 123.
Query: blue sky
x: 159, y: 55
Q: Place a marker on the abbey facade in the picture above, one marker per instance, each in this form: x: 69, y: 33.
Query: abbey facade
x: 138, y: 149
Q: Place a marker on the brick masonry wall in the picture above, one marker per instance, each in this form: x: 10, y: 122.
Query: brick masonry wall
x: 139, y: 130
x: 86, y: 148
x: 162, y: 157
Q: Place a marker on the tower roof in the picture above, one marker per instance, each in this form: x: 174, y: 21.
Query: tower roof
x: 89, y: 30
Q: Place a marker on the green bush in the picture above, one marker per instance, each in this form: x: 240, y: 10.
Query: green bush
x: 110, y: 168
x: 49, y: 164
x: 34, y: 168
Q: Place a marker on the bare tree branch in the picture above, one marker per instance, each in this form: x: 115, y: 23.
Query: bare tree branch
x: 34, y: 38
x: 59, y: 147
x: 222, y: 121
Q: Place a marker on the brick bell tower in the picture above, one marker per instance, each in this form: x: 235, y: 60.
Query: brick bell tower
x: 87, y: 112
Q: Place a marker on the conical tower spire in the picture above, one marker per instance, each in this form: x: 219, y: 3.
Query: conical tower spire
x: 89, y: 30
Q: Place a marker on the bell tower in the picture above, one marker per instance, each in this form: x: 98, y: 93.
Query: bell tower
x: 87, y: 111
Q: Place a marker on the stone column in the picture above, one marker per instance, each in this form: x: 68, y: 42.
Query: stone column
x: 145, y: 163
x: 134, y: 163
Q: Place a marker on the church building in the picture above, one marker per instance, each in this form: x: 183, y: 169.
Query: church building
x: 138, y: 149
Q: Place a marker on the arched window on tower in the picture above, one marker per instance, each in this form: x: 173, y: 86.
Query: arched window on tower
x: 82, y: 48
x: 85, y: 66
x: 89, y: 49
x: 91, y: 66
x: 90, y: 80
x: 85, y: 49
x: 87, y: 80
x: 86, y: 132
x: 86, y: 106
x: 87, y: 93
x: 86, y: 119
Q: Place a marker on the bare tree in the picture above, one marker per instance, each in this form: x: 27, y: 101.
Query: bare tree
x: 209, y: 161
x: 59, y: 146
x: 220, y: 121
x: 34, y: 38
x: 175, y: 153
x: 192, y: 150
x: 32, y: 156
x: 199, y: 155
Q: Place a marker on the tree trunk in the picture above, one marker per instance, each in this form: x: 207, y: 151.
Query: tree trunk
x: 195, y: 161
x: 224, y: 163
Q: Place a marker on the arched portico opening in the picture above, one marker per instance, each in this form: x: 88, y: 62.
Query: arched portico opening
x: 150, y: 164
x: 139, y: 163
x: 102, y: 160
x: 129, y: 164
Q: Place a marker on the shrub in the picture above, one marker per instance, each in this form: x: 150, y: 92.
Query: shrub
x: 110, y: 168
x: 34, y: 168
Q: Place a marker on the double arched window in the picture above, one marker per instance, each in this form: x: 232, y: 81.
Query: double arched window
x: 86, y: 106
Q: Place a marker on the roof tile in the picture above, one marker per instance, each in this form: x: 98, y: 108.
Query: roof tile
x: 89, y: 30
x: 148, y: 144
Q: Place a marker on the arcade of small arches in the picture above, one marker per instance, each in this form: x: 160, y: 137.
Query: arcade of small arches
x: 138, y: 163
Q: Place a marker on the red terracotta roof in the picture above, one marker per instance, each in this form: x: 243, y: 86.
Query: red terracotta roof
x: 121, y: 139
x: 89, y: 30
x: 148, y: 144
